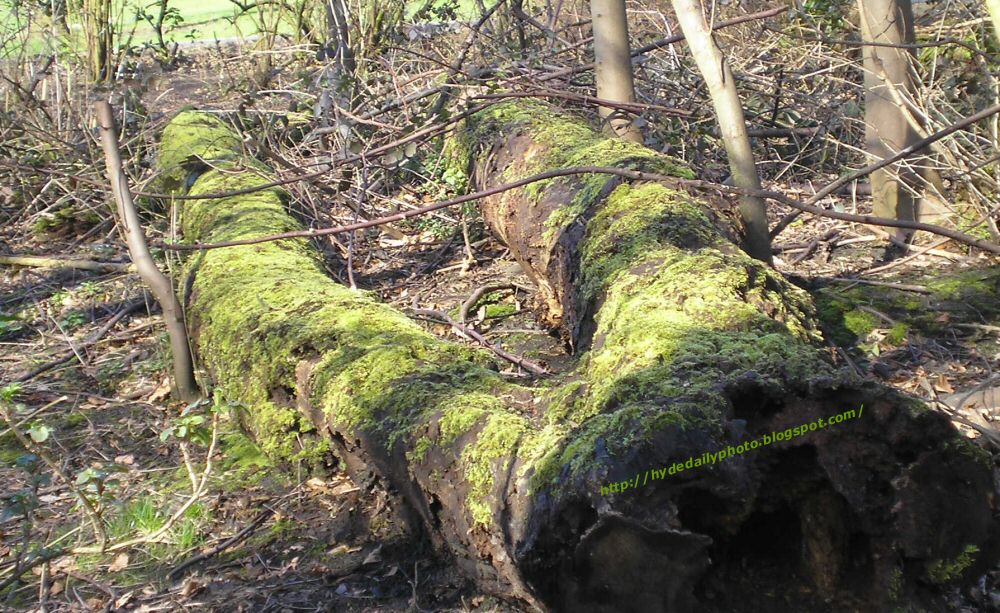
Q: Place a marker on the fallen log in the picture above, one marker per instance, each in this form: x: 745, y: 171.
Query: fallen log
x: 651, y: 477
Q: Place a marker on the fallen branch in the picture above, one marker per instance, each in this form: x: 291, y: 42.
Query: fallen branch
x: 902, y: 153
x: 126, y: 310
x: 477, y: 295
x: 369, y: 156
x: 634, y: 107
x: 44, y: 262
x: 224, y: 545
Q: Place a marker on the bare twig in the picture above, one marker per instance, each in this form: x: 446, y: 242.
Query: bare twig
x: 635, y: 175
x: 479, y: 338
x: 224, y: 545
x: 477, y: 295
x: 666, y: 42
x: 126, y: 310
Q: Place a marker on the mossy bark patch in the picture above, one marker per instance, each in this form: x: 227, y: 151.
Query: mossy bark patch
x: 191, y: 143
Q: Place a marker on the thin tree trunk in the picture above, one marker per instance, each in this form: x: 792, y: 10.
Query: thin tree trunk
x: 613, y: 66
x: 993, y: 6
x: 897, y: 189
x: 729, y: 113
x: 159, y: 284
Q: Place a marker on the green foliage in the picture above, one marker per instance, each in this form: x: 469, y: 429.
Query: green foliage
x: 945, y: 571
x: 72, y: 321
x: 9, y: 392
x: 829, y: 16
x: 9, y: 325
x: 141, y: 516
x: 99, y: 483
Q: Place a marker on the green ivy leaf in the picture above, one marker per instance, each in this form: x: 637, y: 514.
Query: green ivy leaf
x: 39, y: 432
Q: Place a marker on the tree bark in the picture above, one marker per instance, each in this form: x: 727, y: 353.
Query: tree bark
x: 691, y: 346
x: 993, y: 7
x: 729, y: 113
x: 897, y: 190
x: 613, y: 66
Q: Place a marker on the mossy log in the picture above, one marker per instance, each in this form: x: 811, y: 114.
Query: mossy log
x: 686, y: 346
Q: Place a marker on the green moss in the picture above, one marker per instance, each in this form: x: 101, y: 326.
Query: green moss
x: 945, y: 571
x: 191, y: 142
x: 420, y: 449
x: 968, y: 296
x: 564, y: 401
x: 898, y: 333
x: 562, y: 141
x: 860, y: 323
x: 969, y: 449
x: 684, y: 313
x: 66, y: 218
x: 682, y: 321
x: 896, y: 584
x: 975, y: 289
x: 240, y: 453
x: 372, y: 368
x: 488, y: 459
x: 500, y: 310
x: 10, y: 449
x: 632, y: 222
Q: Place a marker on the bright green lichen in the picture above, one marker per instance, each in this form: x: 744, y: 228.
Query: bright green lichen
x: 945, y: 571
x: 488, y: 458
x: 860, y: 323
x: 897, y: 334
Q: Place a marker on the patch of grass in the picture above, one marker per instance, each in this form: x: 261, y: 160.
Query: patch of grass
x: 140, y: 516
x: 188, y: 533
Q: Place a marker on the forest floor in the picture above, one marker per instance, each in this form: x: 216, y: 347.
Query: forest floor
x: 300, y: 540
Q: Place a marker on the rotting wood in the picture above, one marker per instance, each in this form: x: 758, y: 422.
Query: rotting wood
x: 691, y: 346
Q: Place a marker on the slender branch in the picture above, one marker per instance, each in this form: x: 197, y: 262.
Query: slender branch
x: 239, y: 536
x: 477, y: 295
x: 635, y: 175
x: 635, y: 107
x: 198, y: 490
x: 327, y: 166
x: 456, y: 66
x: 807, y: 206
x: 479, y: 338
x: 867, y: 43
x: 90, y: 509
x: 159, y: 284
x: 126, y: 310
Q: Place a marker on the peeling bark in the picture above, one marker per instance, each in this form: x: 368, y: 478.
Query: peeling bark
x: 686, y: 345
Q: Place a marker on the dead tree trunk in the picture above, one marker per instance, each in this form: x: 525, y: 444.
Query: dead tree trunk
x: 567, y: 496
